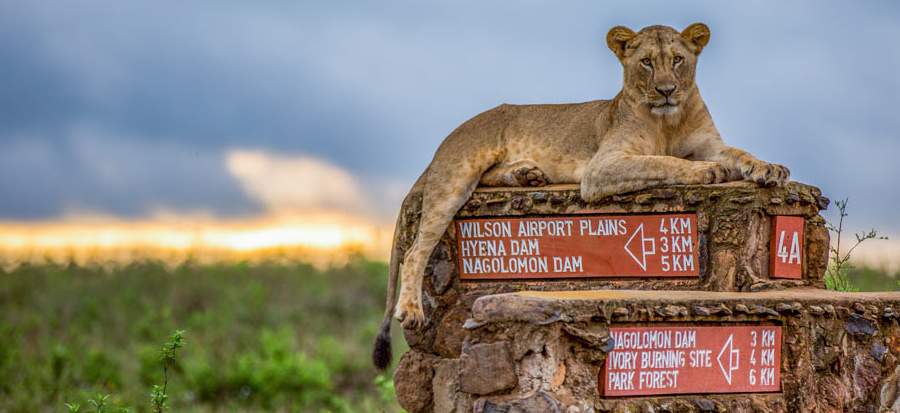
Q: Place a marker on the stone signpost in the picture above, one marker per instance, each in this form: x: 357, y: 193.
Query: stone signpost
x: 682, y: 299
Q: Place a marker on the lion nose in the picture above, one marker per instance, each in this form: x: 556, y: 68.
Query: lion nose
x: 666, y: 90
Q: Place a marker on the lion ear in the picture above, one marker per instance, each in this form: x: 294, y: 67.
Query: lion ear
x: 616, y: 39
x: 696, y: 34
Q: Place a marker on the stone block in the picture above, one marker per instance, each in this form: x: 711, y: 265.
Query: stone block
x: 486, y: 369
x: 447, y: 395
x: 413, y: 381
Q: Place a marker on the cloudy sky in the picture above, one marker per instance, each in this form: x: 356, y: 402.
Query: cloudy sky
x: 237, y: 109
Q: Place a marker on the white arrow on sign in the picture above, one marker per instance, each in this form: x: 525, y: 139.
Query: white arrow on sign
x: 734, y: 358
x: 644, y: 251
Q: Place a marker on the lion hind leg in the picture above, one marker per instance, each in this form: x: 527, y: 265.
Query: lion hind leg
x: 519, y: 173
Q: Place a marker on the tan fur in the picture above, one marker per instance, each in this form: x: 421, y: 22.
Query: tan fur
x: 637, y: 140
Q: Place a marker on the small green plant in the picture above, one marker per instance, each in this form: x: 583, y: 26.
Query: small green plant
x: 99, y: 402
x: 158, y: 398
x: 836, y: 277
x: 385, y: 386
x: 159, y: 395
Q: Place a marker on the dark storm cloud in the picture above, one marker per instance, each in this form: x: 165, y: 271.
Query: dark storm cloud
x: 186, y: 74
x: 375, y: 86
x: 94, y: 172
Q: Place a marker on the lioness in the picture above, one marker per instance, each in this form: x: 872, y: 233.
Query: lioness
x: 656, y: 131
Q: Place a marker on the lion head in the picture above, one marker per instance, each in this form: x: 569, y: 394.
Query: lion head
x: 659, y: 64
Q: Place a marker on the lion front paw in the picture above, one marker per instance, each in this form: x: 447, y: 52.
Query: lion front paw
x: 766, y: 174
x: 409, y: 311
x: 710, y: 173
x: 530, y: 176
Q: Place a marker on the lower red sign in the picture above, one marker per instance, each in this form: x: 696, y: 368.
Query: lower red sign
x: 692, y: 360
x: 663, y: 245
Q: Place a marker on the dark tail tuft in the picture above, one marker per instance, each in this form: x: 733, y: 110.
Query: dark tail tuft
x: 382, y: 355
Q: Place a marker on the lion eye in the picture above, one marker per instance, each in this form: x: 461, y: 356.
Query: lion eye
x: 645, y: 61
x: 678, y: 59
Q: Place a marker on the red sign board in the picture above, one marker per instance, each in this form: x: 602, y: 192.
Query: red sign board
x: 692, y: 360
x: 786, y: 248
x: 662, y: 245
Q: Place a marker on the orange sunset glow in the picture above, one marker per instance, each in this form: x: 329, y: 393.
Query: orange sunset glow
x: 316, y: 236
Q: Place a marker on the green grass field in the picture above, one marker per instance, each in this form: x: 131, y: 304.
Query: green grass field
x: 868, y: 279
x: 260, y: 337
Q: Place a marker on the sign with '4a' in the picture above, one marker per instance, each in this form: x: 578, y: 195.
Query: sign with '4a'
x: 786, y: 247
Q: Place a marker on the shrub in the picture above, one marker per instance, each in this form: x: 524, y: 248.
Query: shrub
x: 836, y: 276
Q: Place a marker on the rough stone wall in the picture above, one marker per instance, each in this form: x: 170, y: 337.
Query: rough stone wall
x: 486, y: 351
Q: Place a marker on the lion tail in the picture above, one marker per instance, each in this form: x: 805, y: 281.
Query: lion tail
x: 382, y: 352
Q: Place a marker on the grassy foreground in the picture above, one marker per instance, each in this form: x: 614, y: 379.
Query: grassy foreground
x: 869, y: 279
x: 260, y: 337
